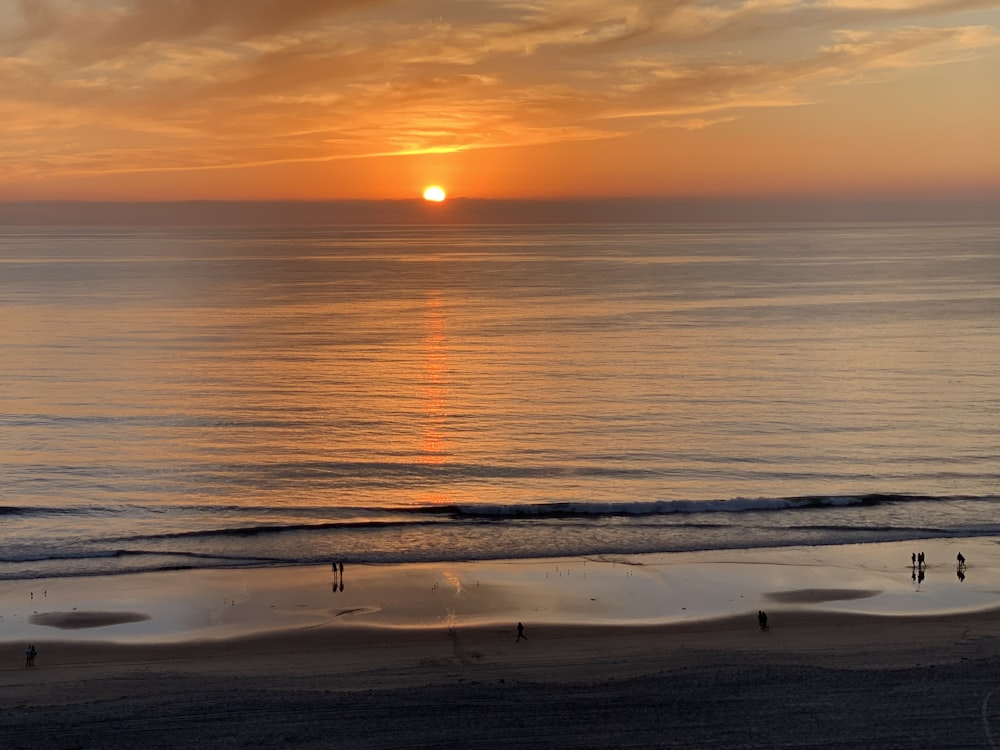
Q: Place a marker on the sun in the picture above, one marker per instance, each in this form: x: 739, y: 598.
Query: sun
x: 435, y: 194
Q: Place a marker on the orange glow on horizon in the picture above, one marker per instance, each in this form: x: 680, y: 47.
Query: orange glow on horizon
x: 162, y: 102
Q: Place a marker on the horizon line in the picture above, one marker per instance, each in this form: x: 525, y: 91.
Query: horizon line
x: 464, y: 210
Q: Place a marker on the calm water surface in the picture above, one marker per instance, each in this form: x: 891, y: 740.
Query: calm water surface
x: 207, y: 397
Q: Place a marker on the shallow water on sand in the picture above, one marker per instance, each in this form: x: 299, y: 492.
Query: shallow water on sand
x: 635, y: 590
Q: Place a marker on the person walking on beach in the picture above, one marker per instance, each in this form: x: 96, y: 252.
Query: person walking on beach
x: 520, y: 633
x: 29, y: 656
x: 762, y: 619
x: 961, y: 560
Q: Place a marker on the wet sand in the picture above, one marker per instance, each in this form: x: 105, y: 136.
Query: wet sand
x: 871, y: 658
x: 662, y: 589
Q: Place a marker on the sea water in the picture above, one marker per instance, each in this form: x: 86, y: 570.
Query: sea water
x: 210, y: 397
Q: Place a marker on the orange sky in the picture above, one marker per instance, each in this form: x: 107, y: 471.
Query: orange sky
x: 346, y: 99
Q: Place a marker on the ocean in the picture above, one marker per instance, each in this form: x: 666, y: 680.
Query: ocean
x: 204, y: 397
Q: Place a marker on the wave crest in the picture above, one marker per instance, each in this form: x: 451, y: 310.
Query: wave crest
x: 662, y: 507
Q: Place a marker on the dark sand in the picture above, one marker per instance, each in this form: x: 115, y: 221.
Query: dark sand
x: 812, y: 680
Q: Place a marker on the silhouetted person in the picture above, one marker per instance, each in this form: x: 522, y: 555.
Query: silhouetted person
x: 961, y: 560
x: 913, y: 559
x: 29, y: 656
x: 342, y: 569
x: 520, y: 633
x: 762, y: 619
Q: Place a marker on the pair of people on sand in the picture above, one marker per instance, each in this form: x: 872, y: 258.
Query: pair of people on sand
x: 29, y: 656
x: 762, y: 619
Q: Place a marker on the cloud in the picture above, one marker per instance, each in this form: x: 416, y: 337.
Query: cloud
x: 212, y: 84
x: 907, y: 6
x: 232, y: 20
x: 904, y: 48
x: 38, y: 20
x: 122, y: 25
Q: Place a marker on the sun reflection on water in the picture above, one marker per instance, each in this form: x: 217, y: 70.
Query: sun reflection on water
x: 433, y: 446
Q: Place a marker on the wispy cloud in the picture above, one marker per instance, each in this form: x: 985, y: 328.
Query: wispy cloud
x: 109, y: 86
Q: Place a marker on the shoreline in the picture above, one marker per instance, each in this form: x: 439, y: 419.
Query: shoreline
x: 839, y: 666
x: 635, y: 590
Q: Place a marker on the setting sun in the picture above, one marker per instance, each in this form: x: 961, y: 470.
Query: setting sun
x: 435, y: 194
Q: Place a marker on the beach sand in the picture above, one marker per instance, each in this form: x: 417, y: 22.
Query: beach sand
x: 655, y: 651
